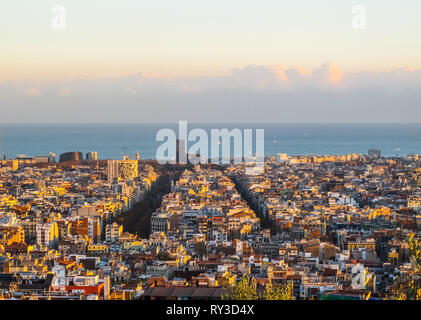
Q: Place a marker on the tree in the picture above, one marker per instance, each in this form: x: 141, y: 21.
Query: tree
x: 276, y: 293
x: 200, y: 248
x: 138, y: 219
x: 245, y: 289
x: 411, y: 288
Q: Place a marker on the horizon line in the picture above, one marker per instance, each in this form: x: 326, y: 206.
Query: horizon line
x: 210, y: 122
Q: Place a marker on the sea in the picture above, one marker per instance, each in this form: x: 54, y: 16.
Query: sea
x: 113, y: 141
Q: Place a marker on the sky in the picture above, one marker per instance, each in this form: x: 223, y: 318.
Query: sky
x: 201, y: 61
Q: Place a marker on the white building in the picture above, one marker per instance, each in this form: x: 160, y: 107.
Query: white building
x: 47, y: 234
x: 113, y: 232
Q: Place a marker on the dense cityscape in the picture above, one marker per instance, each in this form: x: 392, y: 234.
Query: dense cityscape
x: 210, y: 159
x: 307, y: 227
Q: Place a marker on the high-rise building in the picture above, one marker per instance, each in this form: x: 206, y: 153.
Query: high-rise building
x: 47, y: 234
x: 92, y: 155
x: 122, y: 170
x: 374, y: 153
x: 181, y: 152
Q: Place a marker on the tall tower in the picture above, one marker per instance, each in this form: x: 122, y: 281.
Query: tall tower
x: 93, y: 155
x: 181, y: 152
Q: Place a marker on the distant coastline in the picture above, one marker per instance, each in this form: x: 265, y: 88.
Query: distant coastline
x: 112, y: 141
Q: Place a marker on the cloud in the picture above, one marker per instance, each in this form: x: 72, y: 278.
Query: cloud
x: 258, y: 77
x: 301, y: 70
x: 131, y: 91
x: 32, y: 92
x: 330, y: 72
x: 282, y: 77
x: 152, y: 75
x: 65, y: 92
x: 274, y: 93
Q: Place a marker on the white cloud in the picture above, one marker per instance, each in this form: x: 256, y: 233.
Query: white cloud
x: 330, y: 72
x: 253, y: 93
x: 32, y: 92
x: 63, y: 92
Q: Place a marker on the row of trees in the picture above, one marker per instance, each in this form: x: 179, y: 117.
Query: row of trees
x: 137, y: 220
x: 246, y: 289
x: 265, y: 222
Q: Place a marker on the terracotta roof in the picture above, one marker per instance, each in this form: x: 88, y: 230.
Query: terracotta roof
x: 184, y: 292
